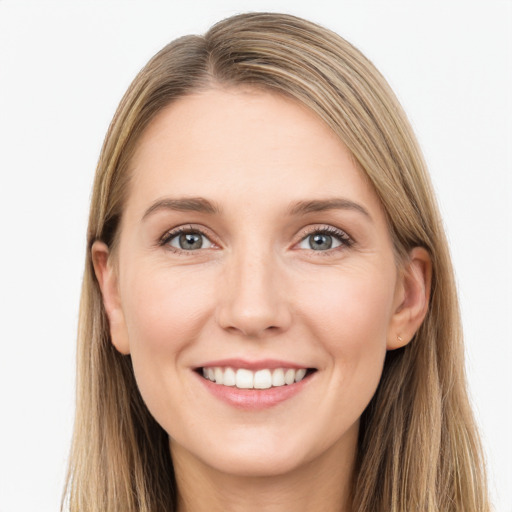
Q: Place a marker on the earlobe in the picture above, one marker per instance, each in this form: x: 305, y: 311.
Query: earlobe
x: 413, y: 299
x: 107, y: 278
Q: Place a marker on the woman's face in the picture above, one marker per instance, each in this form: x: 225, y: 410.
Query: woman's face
x: 251, y: 251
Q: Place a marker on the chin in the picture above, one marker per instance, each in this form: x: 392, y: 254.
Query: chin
x: 255, y: 453
x: 257, y: 465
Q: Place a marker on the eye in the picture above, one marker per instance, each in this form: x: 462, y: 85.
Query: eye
x: 325, y: 239
x: 187, y: 240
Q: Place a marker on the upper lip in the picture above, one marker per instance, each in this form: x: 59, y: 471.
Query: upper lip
x: 260, y: 364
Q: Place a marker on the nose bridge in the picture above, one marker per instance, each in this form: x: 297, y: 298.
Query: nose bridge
x: 251, y: 299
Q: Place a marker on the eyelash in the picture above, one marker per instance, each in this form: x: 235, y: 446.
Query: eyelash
x: 345, y: 240
x: 169, y: 235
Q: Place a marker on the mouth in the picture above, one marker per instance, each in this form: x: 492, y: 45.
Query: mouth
x: 263, y: 378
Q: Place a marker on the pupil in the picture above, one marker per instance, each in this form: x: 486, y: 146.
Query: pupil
x: 191, y: 241
x: 321, y: 242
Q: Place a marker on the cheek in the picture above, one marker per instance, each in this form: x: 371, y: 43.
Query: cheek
x: 351, y: 309
x: 164, y: 309
x: 350, y: 319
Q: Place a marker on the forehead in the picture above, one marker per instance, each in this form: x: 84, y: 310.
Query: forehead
x: 246, y: 144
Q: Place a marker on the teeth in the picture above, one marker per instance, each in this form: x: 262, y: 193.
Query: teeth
x: 278, y: 377
x: 229, y: 377
x: 299, y: 374
x: 262, y: 379
x: 244, y: 379
x: 289, y: 377
x: 219, y: 375
x: 247, y: 379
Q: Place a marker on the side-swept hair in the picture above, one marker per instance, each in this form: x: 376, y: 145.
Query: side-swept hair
x: 418, y: 444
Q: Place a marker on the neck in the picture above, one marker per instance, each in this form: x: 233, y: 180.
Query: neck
x: 320, y: 485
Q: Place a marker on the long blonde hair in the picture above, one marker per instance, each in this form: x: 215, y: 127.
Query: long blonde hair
x: 418, y: 445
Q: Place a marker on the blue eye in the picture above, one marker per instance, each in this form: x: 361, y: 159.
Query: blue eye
x: 324, y: 240
x: 189, y: 240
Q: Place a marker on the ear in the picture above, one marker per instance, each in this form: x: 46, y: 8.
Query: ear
x: 107, y: 278
x: 411, y: 298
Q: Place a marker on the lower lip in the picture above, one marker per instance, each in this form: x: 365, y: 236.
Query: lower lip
x: 254, y: 399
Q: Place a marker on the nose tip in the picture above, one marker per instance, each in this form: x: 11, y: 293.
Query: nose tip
x: 250, y: 325
x: 252, y: 302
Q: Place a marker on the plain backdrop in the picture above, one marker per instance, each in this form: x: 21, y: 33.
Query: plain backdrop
x: 64, y: 67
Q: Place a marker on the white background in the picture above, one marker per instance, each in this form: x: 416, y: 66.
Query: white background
x: 63, y: 69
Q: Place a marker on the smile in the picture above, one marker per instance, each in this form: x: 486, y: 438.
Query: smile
x: 254, y: 385
x: 243, y: 378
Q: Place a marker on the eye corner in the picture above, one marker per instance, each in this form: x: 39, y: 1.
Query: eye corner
x: 334, y: 239
x: 198, y: 239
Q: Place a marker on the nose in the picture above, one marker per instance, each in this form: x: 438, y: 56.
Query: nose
x: 253, y: 295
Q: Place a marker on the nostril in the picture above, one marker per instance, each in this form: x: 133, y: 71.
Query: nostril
x: 253, y: 329
x: 254, y: 307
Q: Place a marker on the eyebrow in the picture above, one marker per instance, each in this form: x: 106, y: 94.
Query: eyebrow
x: 321, y: 205
x: 187, y: 204
x: 202, y: 205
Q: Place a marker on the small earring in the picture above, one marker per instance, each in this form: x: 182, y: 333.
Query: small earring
x: 399, y: 338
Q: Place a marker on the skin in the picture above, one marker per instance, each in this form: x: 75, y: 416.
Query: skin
x: 256, y: 290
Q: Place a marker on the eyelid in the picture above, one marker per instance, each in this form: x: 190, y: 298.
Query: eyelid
x: 186, y: 228
x: 345, y: 239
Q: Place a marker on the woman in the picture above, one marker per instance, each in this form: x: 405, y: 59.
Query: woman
x: 269, y: 318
